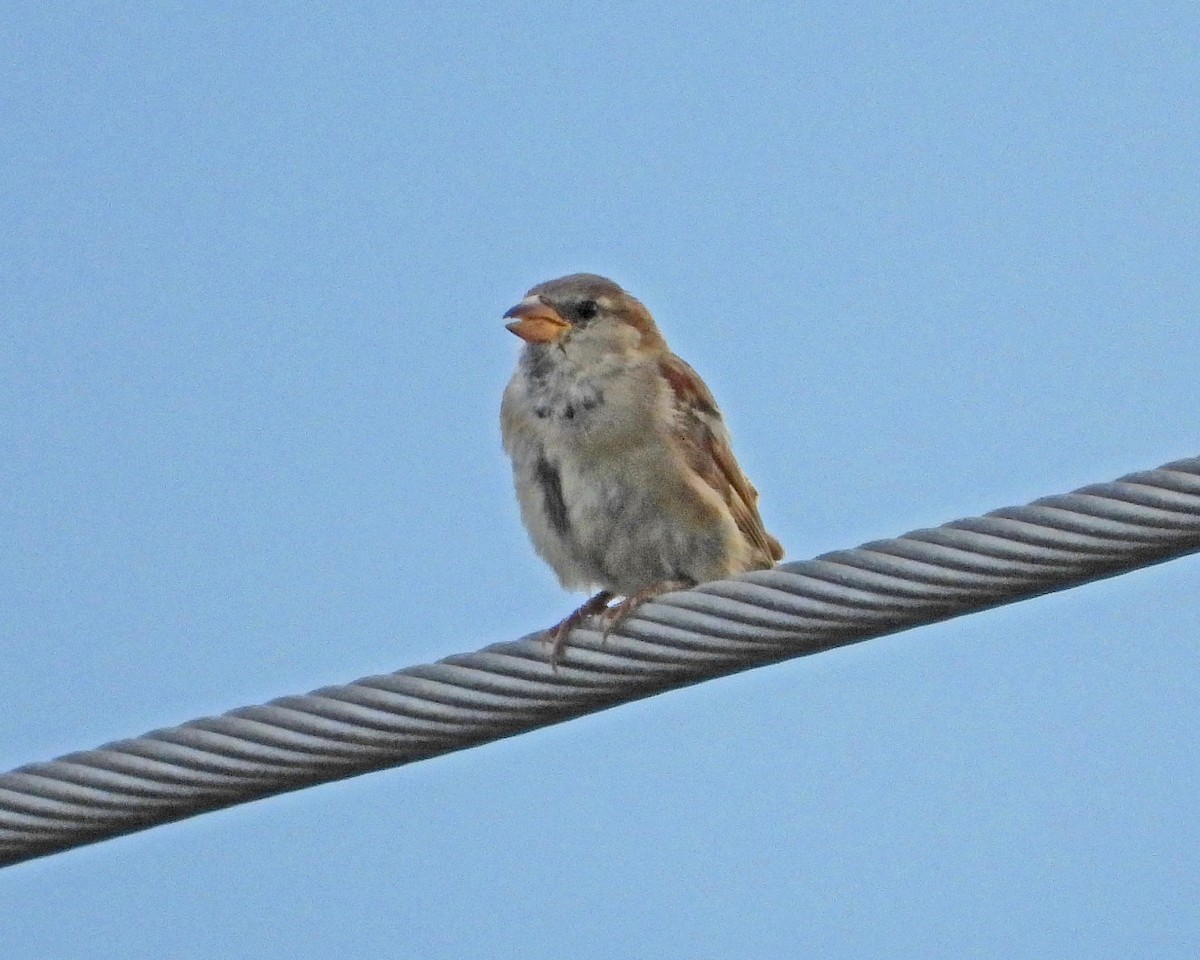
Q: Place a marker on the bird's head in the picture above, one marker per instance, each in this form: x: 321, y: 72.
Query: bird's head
x: 586, y: 312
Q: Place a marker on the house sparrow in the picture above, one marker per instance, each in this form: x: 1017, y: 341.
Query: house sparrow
x: 622, y: 463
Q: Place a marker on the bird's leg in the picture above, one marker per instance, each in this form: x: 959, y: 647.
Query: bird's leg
x: 557, y: 635
x: 616, y: 614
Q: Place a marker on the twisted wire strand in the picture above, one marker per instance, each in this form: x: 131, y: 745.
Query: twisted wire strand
x: 682, y: 638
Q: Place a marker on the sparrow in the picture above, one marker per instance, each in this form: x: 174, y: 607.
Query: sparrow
x: 621, y: 460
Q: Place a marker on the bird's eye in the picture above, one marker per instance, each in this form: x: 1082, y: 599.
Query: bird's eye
x: 587, y: 309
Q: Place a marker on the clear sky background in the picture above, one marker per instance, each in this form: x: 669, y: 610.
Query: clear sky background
x: 933, y: 259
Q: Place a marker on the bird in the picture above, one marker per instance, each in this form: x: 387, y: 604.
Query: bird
x: 622, y: 463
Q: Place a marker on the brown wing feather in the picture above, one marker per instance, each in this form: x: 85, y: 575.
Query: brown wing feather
x: 705, y: 442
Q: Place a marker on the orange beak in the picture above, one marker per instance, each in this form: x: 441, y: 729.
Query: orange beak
x: 536, y: 321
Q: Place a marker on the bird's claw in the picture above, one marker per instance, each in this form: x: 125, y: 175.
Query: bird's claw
x: 557, y: 635
x: 611, y: 617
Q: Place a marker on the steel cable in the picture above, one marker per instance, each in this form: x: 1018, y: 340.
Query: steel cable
x: 682, y: 638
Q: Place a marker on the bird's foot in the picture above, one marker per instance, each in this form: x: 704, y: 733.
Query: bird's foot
x: 557, y: 635
x: 615, y: 615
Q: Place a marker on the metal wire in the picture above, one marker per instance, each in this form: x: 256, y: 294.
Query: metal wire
x: 508, y: 688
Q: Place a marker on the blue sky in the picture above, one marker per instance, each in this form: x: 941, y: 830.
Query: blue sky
x: 932, y: 259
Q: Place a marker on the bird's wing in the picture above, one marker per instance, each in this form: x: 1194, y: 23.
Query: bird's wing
x: 701, y: 434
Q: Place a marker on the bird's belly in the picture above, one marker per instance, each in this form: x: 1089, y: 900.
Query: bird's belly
x: 606, y: 499
x: 633, y: 523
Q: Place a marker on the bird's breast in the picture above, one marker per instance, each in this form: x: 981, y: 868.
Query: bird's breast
x: 600, y: 409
